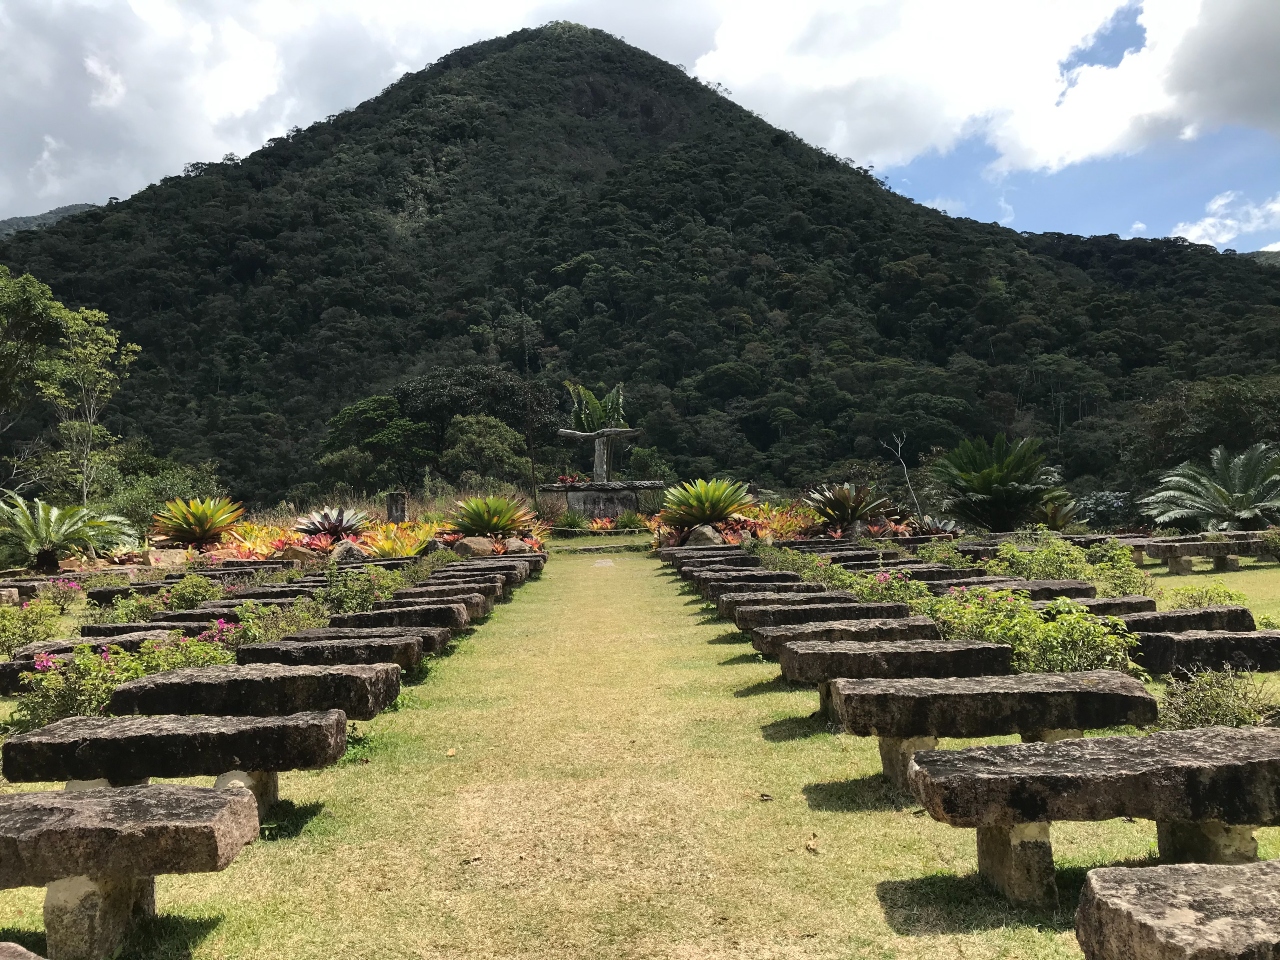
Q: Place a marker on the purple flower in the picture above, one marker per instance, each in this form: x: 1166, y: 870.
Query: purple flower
x: 44, y: 662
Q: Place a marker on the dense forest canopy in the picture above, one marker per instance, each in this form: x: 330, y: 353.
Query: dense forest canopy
x: 559, y: 205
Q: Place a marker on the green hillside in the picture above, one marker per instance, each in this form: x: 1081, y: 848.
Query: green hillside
x: 12, y: 225
x: 561, y: 203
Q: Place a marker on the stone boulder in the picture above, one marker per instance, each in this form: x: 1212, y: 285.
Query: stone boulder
x: 514, y: 546
x: 703, y: 536
x: 300, y: 554
x: 347, y: 552
x: 14, y: 951
x: 474, y: 547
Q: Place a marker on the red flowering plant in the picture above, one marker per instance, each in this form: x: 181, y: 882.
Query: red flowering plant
x: 572, y: 478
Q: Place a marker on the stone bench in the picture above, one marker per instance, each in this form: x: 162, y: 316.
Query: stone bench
x: 669, y: 555
x: 199, y: 617
x: 713, y: 585
x: 769, y: 640
x: 104, y: 632
x: 781, y: 615
x: 104, y: 596
x: 911, y: 714
x: 1180, y: 621
x: 23, y: 658
x: 819, y: 662
x: 97, y: 752
x: 521, y: 570
x: 15, y: 951
x: 699, y: 572
x: 509, y: 579
x: 1190, y: 911
x: 292, y: 591
x: 434, y: 639
x: 451, y: 615
x: 477, y: 583
x: 405, y: 651
x: 1109, y: 606
x: 1207, y: 790
x: 728, y: 604
x: 686, y: 566
x: 1190, y: 650
x: 478, y: 605
x: 261, y: 690
x: 97, y: 853
x: 490, y: 589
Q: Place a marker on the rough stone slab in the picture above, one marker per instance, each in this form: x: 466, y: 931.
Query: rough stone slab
x: 724, y: 561
x: 669, y: 555
x: 492, y: 590
x: 1187, y: 776
x: 778, y: 593
x: 712, y: 585
x: 434, y: 639
x: 1053, y: 589
x: 1180, y: 621
x: 510, y: 578
x: 1161, y: 653
x: 818, y: 662
x: 941, y: 573
x: 768, y: 640
x: 128, y: 641
x: 521, y: 568
x: 477, y: 604
x: 475, y: 583
x: 699, y: 573
x: 123, y: 749
x: 1110, y: 606
x: 103, y: 596
x: 261, y: 690
x: 241, y: 594
x: 452, y: 615
x: 405, y: 651
x: 199, y: 616
x: 991, y: 706
x: 14, y: 951
x: 781, y: 615
x: 1187, y: 911
x: 97, y: 631
x: 126, y: 831
x: 942, y: 587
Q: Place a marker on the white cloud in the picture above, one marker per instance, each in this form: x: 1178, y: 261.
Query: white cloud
x: 946, y: 204
x: 1272, y: 248
x: 111, y: 88
x: 1228, y: 218
x: 1138, y: 227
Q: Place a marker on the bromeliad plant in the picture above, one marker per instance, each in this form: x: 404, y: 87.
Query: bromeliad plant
x: 491, y: 517
x: 199, y: 523
x: 39, y: 535
x: 336, y: 524
x: 845, y: 508
x: 702, y: 502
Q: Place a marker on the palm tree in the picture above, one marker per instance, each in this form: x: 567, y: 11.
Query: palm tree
x: 1234, y: 493
x: 998, y: 486
x: 37, y: 534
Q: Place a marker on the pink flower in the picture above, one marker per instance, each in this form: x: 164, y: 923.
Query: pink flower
x: 45, y: 662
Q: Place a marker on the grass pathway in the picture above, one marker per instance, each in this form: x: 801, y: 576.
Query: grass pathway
x: 603, y: 771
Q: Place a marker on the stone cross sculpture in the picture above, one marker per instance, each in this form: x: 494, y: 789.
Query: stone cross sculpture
x: 604, y: 444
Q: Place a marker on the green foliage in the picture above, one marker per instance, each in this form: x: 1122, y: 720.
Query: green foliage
x: 491, y: 516
x: 1115, y: 574
x: 30, y: 324
x: 1057, y: 515
x: 1212, y: 594
x: 263, y: 623
x: 356, y: 591
x: 1216, y: 698
x: 590, y: 414
x: 128, y: 608
x: 1108, y: 566
x: 572, y: 520
x: 844, y: 505
x: 943, y: 551
x: 629, y: 520
x: 197, y: 522
x: 82, y: 684
x: 484, y: 446
x: 191, y: 591
x: 703, y: 501
x: 62, y: 593
x: 1234, y: 493
x: 32, y: 622
x: 34, y: 533
x: 426, y: 564
x: 885, y: 586
x: 336, y: 523
x: 136, y: 485
x: 999, y: 486
x: 648, y: 463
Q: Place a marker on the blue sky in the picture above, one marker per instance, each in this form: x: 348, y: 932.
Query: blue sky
x: 1134, y: 117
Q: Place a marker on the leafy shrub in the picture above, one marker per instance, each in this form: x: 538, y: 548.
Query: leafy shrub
x: 629, y: 520
x: 1212, y: 594
x: 998, y: 486
x: 844, y: 505
x: 1233, y: 493
x: 703, y: 501
x: 883, y: 586
x: 356, y: 591
x: 334, y: 523
x: 1216, y: 698
x: 32, y: 622
x: 943, y: 551
x: 33, y: 533
x: 197, y: 522
x: 128, y: 608
x: 426, y: 564
x: 491, y: 516
x: 1115, y: 574
x: 191, y: 591
x: 572, y: 520
x: 82, y: 684
x: 61, y: 593
x: 263, y: 623
x: 1051, y: 559
x: 780, y: 522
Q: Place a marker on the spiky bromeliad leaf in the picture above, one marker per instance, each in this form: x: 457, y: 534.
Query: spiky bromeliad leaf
x: 843, y: 505
x: 35, y: 533
x: 197, y: 522
x: 336, y: 523
x: 1234, y: 493
x: 590, y: 414
x: 998, y: 486
x: 491, y: 516
x: 703, y: 501
x: 1058, y: 513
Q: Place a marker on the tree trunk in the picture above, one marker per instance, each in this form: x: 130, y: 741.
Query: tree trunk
x: 46, y: 561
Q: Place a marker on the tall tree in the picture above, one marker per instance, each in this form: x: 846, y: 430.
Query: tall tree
x: 30, y: 324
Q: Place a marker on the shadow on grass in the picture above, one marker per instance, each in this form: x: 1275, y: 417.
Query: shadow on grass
x: 167, y: 937
x: 731, y: 636
x: 776, y: 685
x: 28, y: 939
x: 741, y: 659
x: 862, y: 795
x: 795, y: 728
x: 288, y: 820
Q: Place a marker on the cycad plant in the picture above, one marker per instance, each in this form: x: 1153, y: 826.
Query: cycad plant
x: 1234, y: 493
x: 34, y: 533
x: 197, y: 522
x: 999, y: 485
x: 702, y: 502
x: 845, y: 506
x: 491, y: 516
x: 330, y: 522
x: 590, y: 414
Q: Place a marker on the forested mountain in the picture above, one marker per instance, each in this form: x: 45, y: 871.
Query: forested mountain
x: 47, y: 219
x: 564, y: 205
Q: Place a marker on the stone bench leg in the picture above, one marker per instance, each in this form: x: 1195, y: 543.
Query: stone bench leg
x: 88, y: 918
x: 1226, y: 564
x: 1208, y: 841
x: 1139, y: 556
x: 1051, y: 736
x: 895, y: 757
x: 1179, y: 566
x: 263, y: 784
x: 1018, y: 861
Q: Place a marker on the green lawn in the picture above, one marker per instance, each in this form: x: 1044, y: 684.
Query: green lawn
x: 1260, y: 582
x: 602, y: 770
